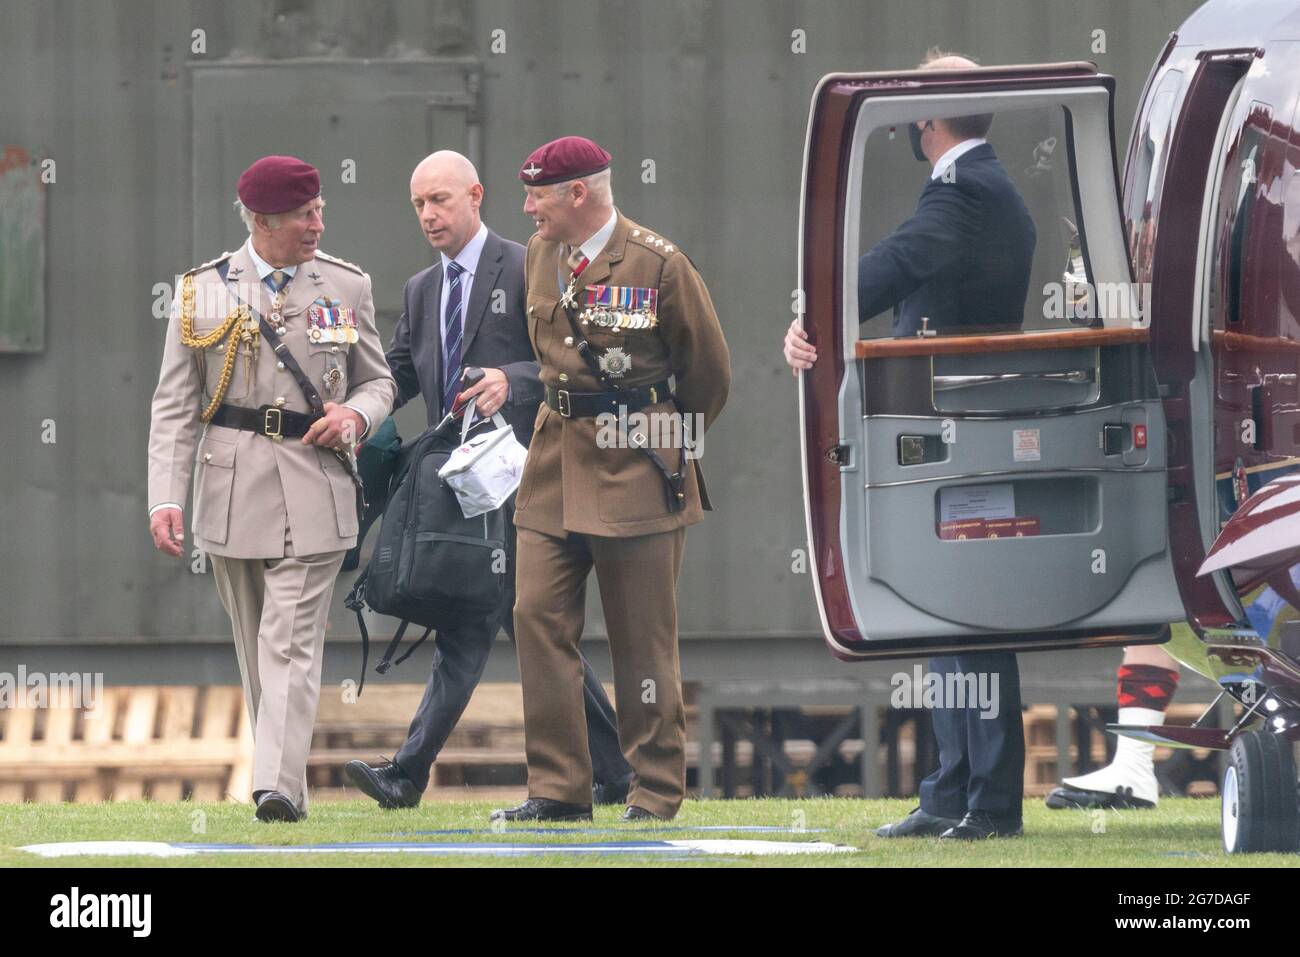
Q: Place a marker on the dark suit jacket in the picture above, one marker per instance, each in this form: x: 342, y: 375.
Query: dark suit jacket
x: 963, y: 258
x: 492, y: 340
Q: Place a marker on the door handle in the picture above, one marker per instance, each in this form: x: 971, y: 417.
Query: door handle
x: 1071, y: 377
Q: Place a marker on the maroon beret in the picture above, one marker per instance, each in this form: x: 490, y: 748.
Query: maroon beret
x: 278, y: 184
x: 569, y: 157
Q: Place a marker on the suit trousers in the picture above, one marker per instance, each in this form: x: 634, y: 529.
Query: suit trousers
x: 278, y: 608
x: 981, y: 759
x: 638, y: 591
x: 458, y: 662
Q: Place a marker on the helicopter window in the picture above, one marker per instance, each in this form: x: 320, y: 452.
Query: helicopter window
x: 1150, y: 160
x: 1045, y: 252
x: 1233, y: 223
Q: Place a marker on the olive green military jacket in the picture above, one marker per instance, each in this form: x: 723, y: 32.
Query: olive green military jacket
x: 583, y: 474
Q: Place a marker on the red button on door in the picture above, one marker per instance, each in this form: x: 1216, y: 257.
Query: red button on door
x: 1139, y: 436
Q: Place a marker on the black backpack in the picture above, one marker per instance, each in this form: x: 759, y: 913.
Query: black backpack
x: 431, y: 565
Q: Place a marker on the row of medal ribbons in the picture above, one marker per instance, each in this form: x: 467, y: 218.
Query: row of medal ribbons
x: 330, y: 323
x: 621, y: 307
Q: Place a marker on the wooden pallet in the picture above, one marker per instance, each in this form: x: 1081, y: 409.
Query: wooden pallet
x: 1041, y: 772
x: 169, y: 743
x: 163, y: 743
x: 485, y: 751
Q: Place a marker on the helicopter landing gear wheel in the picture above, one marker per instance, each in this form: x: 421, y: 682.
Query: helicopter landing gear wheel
x: 1259, y: 796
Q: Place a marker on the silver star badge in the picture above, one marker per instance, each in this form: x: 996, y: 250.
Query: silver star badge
x: 615, y: 363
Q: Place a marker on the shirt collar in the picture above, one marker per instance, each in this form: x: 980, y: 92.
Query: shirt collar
x: 468, y: 257
x: 592, y: 247
x: 263, y: 267
x: 950, y: 157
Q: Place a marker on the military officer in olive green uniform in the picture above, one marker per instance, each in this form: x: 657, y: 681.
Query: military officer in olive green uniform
x: 275, y: 503
x: 614, y: 311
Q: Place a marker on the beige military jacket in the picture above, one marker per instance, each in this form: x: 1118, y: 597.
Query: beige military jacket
x: 247, y: 487
x: 574, y: 480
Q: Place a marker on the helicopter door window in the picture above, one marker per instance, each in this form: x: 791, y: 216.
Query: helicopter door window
x: 953, y: 284
x: 1150, y: 159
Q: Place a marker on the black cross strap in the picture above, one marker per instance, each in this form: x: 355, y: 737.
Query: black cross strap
x: 281, y: 349
x: 674, y: 482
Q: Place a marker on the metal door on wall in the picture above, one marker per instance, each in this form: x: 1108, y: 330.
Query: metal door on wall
x: 363, y: 123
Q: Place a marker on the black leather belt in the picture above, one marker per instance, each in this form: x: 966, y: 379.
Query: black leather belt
x: 269, y: 420
x: 584, y: 404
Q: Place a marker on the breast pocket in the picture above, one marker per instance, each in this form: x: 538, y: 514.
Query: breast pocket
x: 214, y: 359
x: 329, y: 370
x: 216, y: 478
x: 541, y: 319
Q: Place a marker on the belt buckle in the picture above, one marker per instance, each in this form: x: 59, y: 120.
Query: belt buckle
x: 562, y: 399
x: 273, y: 434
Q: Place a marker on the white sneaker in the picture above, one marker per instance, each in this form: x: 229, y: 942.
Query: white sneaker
x: 1129, y: 781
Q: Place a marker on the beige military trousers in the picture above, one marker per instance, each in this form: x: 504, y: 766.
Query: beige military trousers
x: 638, y: 591
x: 278, y: 608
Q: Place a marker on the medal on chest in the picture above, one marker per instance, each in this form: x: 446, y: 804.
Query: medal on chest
x: 618, y: 308
x: 328, y: 320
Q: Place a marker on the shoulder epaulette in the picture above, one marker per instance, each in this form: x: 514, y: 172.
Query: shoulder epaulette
x: 651, y: 241
x: 210, y: 263
x: 340, y: 262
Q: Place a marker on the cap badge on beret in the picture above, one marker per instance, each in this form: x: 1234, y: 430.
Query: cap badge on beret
x: 569, y: 157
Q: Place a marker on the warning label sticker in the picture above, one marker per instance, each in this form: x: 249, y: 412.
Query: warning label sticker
x: 1025, y: 445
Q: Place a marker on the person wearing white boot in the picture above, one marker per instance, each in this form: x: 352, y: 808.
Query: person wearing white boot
x: 1147, y: 680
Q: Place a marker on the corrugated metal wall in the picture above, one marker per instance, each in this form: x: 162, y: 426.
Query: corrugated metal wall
x: 710, y: 91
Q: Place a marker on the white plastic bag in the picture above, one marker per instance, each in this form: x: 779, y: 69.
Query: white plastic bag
x: 485, y: 470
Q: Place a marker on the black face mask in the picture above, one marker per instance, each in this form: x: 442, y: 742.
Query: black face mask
x: 914, y: 136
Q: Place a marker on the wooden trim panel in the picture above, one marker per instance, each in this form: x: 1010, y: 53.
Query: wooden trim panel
x: 1003, y: 342
x: 1240, y: 341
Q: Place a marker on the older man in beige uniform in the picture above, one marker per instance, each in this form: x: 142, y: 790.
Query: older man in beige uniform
x: 272, y: 369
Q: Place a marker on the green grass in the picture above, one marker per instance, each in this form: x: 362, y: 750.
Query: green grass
x: 1181, y: 832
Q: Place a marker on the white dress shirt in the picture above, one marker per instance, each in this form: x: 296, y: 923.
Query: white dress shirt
x: 467, y: 259
x: 263, y: 267
x: 950, y: 157
x: 592, y: 247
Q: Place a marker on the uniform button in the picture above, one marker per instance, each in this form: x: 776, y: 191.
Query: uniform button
x: 568, y: 341
x: 335, y: 349
x: 207, y: 456
x: 530, y: 310
x: 279, y: 400
x: 280, y: 366
x: 563, y: 377
x: 221, y: 347
x: 280, y: 330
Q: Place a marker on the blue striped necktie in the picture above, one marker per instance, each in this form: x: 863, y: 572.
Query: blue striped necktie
x: 451, y: 341
x: 277, y: 280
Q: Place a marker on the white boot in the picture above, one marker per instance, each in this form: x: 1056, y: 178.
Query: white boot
x: 1132, y: 775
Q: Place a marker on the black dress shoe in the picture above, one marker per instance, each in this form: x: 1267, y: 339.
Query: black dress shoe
x: 917, y: 824
x: 388, y: 785
x: 635, y: 812
x: 613, y: 793
x: 978, y: 825
x: 274, y: 806
x: 543, y: 809
x: 1065, y: 797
